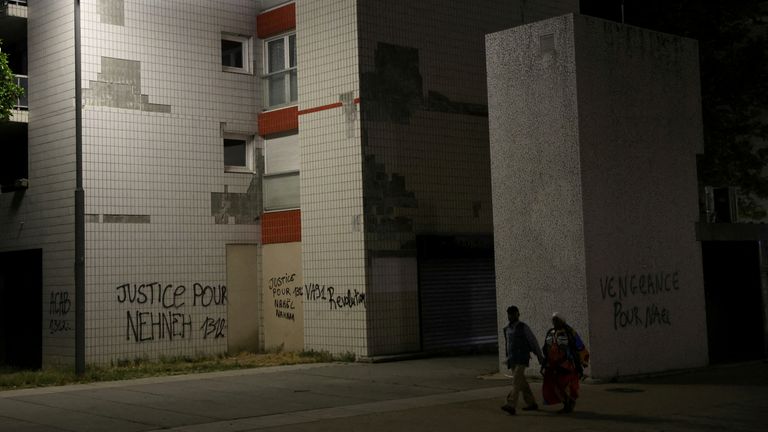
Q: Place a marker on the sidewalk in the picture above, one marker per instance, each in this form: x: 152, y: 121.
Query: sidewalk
x: 440, y: 394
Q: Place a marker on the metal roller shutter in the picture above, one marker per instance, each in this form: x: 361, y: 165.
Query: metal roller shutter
x: 458, y: 298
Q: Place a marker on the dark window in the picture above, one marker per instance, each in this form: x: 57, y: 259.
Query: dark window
x: 235, y: 153
x: 231, y: 53
x: 13, y: 156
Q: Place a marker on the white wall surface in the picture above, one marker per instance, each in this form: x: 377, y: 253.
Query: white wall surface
x: 427, y: 161
x: 333, y: 253
x: 161, y: 164
x: 43, y: 215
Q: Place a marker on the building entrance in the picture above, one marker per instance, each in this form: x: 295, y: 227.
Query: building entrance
x: 735, y: 329
x: 21, y: 308
x: 457, y: 292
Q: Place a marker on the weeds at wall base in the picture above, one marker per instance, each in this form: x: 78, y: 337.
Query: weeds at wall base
x: 141, y: 367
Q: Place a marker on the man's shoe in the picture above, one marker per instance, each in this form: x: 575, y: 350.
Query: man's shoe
x: 532, y: 407
x: 508, y: 409
x: 567, y: 406
x: 570, y: 406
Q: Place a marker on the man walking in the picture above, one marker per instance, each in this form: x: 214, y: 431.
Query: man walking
x: 519, y: 343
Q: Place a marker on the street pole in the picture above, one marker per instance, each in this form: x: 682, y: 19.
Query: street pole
x: 79, y: 209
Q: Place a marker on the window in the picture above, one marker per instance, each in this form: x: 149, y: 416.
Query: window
x: 14, y: 160
x: 238, y: 153
x: 280, y: 66
x: 235, y: 51
x: 281, y: 192
x: 281, y: 154
x: 281, y: 172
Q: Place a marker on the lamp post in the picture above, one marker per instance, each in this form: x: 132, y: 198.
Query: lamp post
x: 79, y: 209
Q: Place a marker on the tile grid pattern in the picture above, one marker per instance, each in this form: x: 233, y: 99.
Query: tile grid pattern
x: 159, y: 289
x: 45, y: 216
x: 331, y: 183
x: 427, y: 161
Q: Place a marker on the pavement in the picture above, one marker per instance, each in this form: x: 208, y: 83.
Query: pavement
x: 434, y: 394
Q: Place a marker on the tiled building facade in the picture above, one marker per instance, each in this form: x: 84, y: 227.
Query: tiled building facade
x: 258, y: 174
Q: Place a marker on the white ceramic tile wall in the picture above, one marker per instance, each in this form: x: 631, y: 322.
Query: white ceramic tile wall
x: 442, y: 156
x: 331, y: 183
x: 44, y: 216
x: 164, y: 165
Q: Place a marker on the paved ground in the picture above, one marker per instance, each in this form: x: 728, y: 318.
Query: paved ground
x: 440, y: 394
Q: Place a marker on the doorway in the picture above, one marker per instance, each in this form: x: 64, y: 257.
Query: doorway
x: 457, y: 292
x: 21, y: 309
x: 243, y: 309
x: 734, y: 300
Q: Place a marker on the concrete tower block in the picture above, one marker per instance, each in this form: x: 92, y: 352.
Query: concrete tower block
x: 594, y: 127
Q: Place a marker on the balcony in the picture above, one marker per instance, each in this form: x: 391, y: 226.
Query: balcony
x: 280, y: 88
x: 14, y: 161
x: 13, y: 8
x: 13, y: 34
x: 23, y: 102
x: 20, y: 112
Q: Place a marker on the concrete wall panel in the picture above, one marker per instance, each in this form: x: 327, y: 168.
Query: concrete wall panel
x: 594, y: 130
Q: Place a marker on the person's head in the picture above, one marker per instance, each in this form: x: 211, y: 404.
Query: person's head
x: 513, y: 314
x: 558, y: 321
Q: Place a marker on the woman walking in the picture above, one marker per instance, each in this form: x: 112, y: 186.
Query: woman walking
x: 565, y: 358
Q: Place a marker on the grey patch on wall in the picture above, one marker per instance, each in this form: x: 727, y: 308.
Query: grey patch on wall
x: 119, y: 86
x: 348, y: 103
x: 350, y: 111
x: 238, y: 208
x: 92, y: 218
x: 441, y: 103
x: 125, y: 218
x: 406, y: 250
x: 394, y: 91
x: 112, y: 12
x: 389, y: 206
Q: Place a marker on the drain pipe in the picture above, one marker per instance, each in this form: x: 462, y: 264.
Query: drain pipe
x: 79, y: 209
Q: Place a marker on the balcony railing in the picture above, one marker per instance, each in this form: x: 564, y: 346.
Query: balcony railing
x: 23, y: 102
x: 13, y: 2
x: 280, y: 88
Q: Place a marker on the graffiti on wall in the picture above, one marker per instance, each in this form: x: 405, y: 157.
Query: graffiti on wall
x: 284, y: 295
x: 335, y: 299
x: 144, y: 322
x: 58, y: 310
x: 626, y: 290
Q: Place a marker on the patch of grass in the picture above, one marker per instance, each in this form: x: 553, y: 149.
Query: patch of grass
x: 126, y: 369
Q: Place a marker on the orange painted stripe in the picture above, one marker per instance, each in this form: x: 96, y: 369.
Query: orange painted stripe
x: 320, y: 108
x: 287, y: 119
x: 281, y: 227
x: 282, y: 120
x: 276, y: 21
x: 325, y: 107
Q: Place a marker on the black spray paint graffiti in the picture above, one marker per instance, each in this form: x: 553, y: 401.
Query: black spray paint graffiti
x: 633, y: 317
x: 215, y: 327
x: 620, y: 288
x: 147, y: 326
x: 58, y: 310
x: 284, y: 295
x: 168, y: 324
x: 350, y: 299
x: 153, y: 293
x: 633, y: 285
